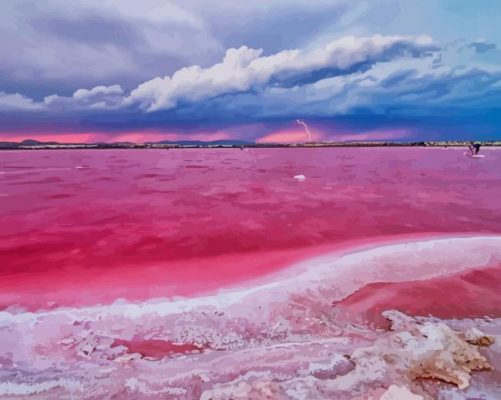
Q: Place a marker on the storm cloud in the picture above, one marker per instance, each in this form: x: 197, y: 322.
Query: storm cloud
x: 248, y: 68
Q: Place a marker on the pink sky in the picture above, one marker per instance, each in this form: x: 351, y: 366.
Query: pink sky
x: 299, y: 135
x: 289, y: 136
x: 292, y: 135
x: 135, y: 137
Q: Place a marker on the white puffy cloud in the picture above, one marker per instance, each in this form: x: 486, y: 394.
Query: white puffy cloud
x: 244, y: 68
x: 99, y: 97
x: 83, y: 94
x: 16, y: 101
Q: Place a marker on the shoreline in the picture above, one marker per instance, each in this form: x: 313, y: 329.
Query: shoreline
x: 359, y: 261
x: 278, y: 266
x: 172, y: 146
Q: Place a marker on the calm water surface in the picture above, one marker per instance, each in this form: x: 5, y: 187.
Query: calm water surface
x: 90, y: 226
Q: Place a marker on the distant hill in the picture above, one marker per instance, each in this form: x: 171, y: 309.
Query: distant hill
x: 33, y: 142
x: 27, y: 142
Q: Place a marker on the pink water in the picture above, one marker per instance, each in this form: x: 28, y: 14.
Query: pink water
x: 87, y: 227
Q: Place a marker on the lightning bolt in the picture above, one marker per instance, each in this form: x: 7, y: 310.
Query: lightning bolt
x: 307, y: 130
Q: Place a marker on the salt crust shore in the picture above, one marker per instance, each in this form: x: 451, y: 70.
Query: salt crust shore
x: 282, y: 340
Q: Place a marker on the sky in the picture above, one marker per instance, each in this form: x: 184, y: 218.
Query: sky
x: 152, y: 70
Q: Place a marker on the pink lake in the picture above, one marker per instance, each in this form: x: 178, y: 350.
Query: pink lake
x: 84, y: 227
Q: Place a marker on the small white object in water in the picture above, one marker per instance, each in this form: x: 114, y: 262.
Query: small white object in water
x: 300, y: 177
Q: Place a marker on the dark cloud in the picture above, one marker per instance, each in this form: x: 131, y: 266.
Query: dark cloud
x: 482, y: 46
x: 91, y: 29
x: 285, y: 27
x: 58, y: 47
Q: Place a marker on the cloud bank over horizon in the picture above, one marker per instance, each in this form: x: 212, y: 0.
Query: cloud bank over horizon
x: 193, y: 71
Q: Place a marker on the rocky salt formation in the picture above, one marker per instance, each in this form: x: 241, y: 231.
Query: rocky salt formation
x: 411, y: 352
x: 417, y: 350
x: 414, y: 360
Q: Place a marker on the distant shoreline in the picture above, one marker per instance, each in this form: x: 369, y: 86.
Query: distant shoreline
x: 33, y: 145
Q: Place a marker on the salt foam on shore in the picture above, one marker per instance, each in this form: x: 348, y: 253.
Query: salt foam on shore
x: 283, y: 339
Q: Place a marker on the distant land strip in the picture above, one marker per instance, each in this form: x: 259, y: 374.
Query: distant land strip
x: 31, y: 144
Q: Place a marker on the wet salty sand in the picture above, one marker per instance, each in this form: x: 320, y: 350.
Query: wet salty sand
x: 216, y: 275
x: 293, y: 337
